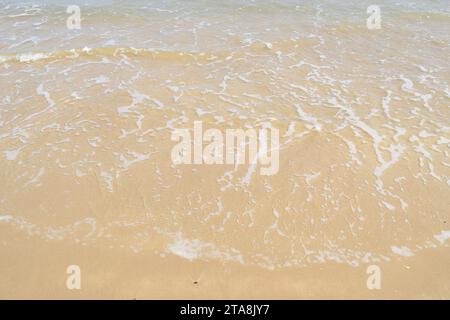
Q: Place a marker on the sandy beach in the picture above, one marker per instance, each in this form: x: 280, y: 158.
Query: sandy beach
x: 357, y: 174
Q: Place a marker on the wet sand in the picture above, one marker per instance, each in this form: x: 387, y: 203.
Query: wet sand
x: 87, y: 178
x: 36, y: 270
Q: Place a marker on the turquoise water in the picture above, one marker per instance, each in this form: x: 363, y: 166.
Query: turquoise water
x: 41, y: 25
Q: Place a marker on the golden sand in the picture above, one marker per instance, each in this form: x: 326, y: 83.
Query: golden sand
x: 87, y: 177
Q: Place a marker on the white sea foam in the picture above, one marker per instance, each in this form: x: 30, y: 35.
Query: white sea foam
x: 443, y: 236
x: 12, y: 154
x: 402, y: 251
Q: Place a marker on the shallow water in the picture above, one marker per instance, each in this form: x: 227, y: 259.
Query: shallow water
x: 86, y: 117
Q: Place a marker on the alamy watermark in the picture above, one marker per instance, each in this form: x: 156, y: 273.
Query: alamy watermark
x: 229, y: 148
x: 374, y: 279
x: 374, y: 20
x: 73, y: 281
x: 73, y: 22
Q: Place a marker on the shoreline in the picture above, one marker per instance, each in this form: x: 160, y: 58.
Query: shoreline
x: 37, y: 270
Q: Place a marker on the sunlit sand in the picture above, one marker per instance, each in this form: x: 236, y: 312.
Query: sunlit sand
x: 87, y: 179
